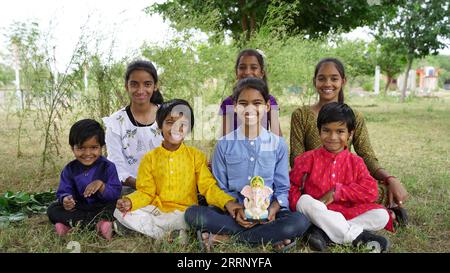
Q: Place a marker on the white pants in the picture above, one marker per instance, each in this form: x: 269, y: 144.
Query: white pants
x: 334, y: 223
x: 151, y: 221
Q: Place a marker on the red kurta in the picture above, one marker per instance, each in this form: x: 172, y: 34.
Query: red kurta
x: 355, y: 190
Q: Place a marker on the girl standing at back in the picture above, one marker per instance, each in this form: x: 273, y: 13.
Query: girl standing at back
x: 132, y: 131
x: 249, y: 63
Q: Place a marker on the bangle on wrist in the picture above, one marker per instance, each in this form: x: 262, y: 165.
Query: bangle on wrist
x: 386, y: 179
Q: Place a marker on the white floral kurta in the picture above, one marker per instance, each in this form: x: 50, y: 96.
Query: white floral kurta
x: 127, y: 143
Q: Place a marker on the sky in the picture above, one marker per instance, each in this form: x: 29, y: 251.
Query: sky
x: 120, y: 20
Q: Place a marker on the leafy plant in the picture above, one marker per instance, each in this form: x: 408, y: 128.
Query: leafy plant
x: 18, y: 206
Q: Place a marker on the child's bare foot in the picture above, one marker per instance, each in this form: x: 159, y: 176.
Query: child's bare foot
x: 209, y: 240
x: 284, y: 246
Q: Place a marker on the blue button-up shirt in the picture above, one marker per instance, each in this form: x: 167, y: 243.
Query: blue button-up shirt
x: 237, y: 159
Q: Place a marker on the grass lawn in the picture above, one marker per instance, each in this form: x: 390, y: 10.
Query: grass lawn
x: 411, y: 140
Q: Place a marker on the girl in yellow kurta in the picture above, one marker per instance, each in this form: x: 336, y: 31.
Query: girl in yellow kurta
x: 168, y: 179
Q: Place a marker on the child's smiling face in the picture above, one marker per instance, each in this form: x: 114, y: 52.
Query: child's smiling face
x: 140, y: 86
x: 328, y: 82
x: 174, y: 129
x: 334, y: 136
x: 249, y: 67
x: 251, y: 106
x: 88, y: 152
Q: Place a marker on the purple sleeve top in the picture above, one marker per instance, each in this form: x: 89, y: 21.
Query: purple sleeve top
x: 75, y: 177
x: 227, y: 108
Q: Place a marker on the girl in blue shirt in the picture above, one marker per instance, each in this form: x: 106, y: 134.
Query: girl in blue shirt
x: 250, y: 151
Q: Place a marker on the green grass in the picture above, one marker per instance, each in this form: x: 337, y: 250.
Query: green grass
x: 411, y: 140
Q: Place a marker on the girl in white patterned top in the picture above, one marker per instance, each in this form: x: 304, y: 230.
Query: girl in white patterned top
x: 132, y: 131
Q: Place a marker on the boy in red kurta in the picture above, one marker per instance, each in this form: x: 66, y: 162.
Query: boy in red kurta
x: 333, y: 187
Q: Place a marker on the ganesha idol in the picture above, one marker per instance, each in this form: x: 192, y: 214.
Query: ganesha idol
x: 256, y: 199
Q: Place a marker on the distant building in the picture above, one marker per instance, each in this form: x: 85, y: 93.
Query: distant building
x: 428, y: 78
x: 423, y: 79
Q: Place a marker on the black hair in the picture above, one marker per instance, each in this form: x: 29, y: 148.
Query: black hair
x: 147, y: 66
x: 335, y: 112
x: 254, y: 83
x: 83, y: 130
x: 166, y: 109
x: 340, y: 68
x: 255, y: 53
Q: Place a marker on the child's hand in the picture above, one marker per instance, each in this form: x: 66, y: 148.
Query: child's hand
x: 273, y: 209
x: 241, y: 219
x: 93, y: 187
x: 328, y: 198
x: 123, y: 204
x: 68, y: 202
x: 130, y: 182
x: 232, y: 207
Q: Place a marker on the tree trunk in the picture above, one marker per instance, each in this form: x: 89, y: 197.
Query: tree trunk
x: 252, y: 23
x: 386, y: 87
x: 405, y: 82
x: 244, y: 22
x: 19, y: 132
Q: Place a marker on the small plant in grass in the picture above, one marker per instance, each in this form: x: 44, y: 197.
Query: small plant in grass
x: 18, y: 206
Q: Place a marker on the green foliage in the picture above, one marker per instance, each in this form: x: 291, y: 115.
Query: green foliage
x: 6, y: 75
x: 45, y: 89
x: 106, y: 92
x: 245, y: 17
x: 421, y: 35
x: 355, y: 55
x: 368, y: 85
x: 214, y: 16
x: 18, y: 206
x: 188, y: 69
x: 391, y: 57
x: 418, y: 34
x: 320, y: 17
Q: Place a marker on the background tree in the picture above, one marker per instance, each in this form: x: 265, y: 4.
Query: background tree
x: 23, y: 39
x: 420, y: 27
x: 106, y: 91
x: 390, y: 56
x: 243, y: 17
x: 48, y: 91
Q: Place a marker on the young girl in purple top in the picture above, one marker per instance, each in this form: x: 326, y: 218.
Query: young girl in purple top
x: 249, y: 63
x: 89, y: 185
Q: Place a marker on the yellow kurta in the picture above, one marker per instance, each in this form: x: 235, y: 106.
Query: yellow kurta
x: 169, y: 180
